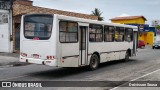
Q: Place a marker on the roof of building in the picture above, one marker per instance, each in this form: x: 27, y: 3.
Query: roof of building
x: 128, y: 18
x: 21, y: 7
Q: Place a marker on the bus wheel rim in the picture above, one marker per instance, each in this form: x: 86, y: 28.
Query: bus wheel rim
x: 94, y: 63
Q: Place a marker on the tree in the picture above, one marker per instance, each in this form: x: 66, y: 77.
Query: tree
x: 98, y: 13
x: 157, y: 27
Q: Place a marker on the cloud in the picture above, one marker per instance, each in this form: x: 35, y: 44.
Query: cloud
x: 80, y: 6
x: 152, y: 2
x: 124, y: 15
x: 110, y: 8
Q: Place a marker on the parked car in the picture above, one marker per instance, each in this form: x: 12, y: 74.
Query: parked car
x: 156, y: 44
x: 141, y: 44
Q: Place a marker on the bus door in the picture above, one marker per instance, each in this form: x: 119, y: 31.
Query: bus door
x: 135, y: 42
x: 83, y: 45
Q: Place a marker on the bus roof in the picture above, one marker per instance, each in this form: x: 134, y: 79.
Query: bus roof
x: 63, y: 17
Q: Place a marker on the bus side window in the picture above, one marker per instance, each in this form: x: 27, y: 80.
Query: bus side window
x: 119, y: 34
x: 128, y: 34
x: 109, y: 33
x: 95, y: 33
x: 68, y: 32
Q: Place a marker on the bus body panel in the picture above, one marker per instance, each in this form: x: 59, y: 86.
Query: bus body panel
x: 69, y: 54
x: 110, y: 51
x: 42, y: 48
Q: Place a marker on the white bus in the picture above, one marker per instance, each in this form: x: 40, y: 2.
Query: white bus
x: 63, y: 41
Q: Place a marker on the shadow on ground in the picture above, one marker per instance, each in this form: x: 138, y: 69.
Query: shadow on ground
x: 81, y: 71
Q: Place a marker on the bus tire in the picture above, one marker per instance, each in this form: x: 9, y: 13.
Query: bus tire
x: 94, y: 62
x: 126, y: 57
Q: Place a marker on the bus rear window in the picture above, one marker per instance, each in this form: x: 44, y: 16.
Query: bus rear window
x: 38, y: 26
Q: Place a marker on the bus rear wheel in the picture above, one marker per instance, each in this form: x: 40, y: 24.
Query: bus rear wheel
x: 94, y: 62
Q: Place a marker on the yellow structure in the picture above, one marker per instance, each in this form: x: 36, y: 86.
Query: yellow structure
x: 129, y: 20
x: 147, y: 37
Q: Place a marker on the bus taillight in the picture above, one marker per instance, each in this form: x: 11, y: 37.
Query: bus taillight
x: 50, y: 57
x: 36, y: 56
x: 23, y: 54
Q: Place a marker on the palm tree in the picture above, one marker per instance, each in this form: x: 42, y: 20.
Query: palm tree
x: 98, y: 13
x: 157, y: 27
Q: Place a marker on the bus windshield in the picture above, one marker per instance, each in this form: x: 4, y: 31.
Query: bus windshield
x: 38, y: 26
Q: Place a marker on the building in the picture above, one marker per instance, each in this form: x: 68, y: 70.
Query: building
x: 19, y: 8
x: 144, y: 32
x: 153, y: 29
x: 129, y: 20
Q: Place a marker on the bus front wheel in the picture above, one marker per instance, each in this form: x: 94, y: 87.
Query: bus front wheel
x: 126, y: 57
x: 94, y: 62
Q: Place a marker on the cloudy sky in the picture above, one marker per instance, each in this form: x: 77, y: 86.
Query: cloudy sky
x: 110, y: 8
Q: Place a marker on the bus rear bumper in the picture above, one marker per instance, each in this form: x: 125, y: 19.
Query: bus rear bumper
x: 39, y: 61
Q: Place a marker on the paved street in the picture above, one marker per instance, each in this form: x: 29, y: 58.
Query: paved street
x: 146, y: 61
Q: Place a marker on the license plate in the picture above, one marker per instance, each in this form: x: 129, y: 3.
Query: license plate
x: 35, y: 56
